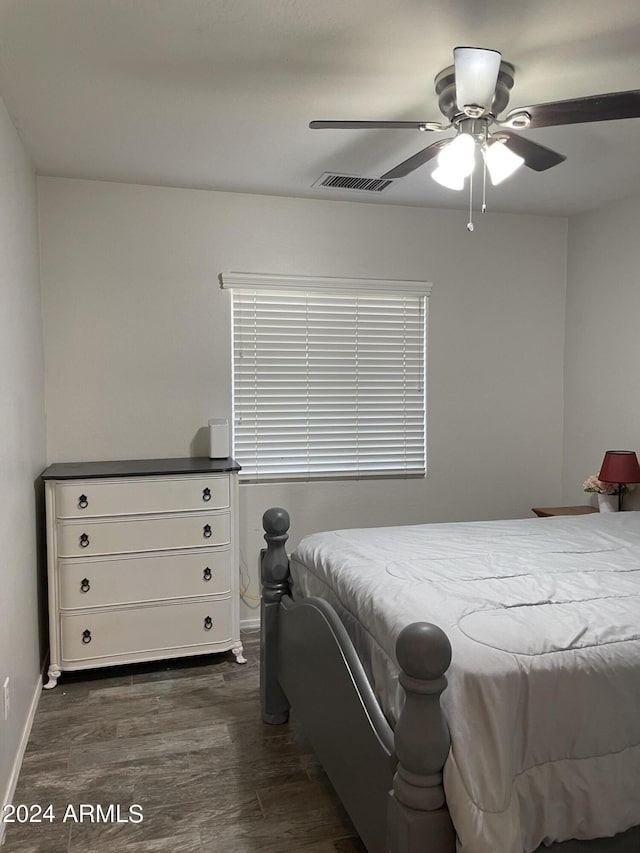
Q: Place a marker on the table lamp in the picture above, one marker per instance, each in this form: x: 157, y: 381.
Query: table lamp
x: 621, y: 467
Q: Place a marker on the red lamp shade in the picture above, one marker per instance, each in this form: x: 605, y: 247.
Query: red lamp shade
x: 620, y: 466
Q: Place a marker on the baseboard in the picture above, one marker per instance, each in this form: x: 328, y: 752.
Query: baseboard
x: 22, y: 746
x: 250, y: 625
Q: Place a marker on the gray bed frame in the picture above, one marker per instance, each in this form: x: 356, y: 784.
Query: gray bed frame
x: 389, y: 781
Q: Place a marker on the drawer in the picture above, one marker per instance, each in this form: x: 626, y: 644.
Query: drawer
x: 145, y: 630
x: 139, y: 496
x: 130, y: 535
x: 126, y: 580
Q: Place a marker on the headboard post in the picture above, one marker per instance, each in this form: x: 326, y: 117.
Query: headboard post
x: 417, y: 808
x: 274, y: 573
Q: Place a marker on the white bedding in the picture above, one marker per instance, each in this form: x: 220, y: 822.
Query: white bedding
x: 543, y: 702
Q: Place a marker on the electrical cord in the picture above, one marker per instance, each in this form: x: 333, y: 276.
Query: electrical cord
x: 245, y: 583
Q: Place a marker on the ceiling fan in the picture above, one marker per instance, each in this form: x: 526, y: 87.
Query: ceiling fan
x: 472, y: 93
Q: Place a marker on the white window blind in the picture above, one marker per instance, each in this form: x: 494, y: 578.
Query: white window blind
x: 329, y: 382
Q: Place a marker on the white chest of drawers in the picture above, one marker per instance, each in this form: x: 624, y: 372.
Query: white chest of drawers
x: 142, y: 561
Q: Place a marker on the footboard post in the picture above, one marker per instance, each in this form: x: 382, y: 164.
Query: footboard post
x: 418, y: 817
x: 274, y: 570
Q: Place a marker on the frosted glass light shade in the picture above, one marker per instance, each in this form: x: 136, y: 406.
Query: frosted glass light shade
x: 448, y: 178
x: 459, y: 155
x: 501, y: 162
x: 476, y: 74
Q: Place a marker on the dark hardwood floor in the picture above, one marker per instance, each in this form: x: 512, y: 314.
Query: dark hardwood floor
x: 184, y: 741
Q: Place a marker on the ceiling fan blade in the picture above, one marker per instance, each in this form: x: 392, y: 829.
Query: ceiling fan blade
x: 611, y: 107
x: 417, y: 160
x: 361, y: 125
x: 535, y: 156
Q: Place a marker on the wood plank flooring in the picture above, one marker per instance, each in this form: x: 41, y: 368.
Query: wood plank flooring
x: 184, y: 741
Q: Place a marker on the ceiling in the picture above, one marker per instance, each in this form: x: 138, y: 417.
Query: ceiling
x: 218, y: 94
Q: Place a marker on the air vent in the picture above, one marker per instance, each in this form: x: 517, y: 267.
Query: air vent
x: 352, y: 182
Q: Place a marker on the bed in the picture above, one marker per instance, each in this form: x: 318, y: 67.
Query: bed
x: 483, y: 676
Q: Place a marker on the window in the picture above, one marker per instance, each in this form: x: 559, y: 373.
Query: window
x: 328, y: 377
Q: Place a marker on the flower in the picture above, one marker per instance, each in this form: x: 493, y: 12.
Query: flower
x: 593, y: 484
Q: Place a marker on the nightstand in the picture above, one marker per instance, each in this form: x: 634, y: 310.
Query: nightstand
x: 548, y: 511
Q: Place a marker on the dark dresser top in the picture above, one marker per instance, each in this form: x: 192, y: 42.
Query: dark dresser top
x: 138, y: 467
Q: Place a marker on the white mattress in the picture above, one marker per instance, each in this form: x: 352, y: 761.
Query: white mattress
x: 543, y: 702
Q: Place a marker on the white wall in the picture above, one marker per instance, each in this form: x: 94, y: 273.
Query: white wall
x: 22, y: 443
x: 602, y: 403
x: 137, y: 339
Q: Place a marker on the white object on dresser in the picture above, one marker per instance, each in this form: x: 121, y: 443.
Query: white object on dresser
x: 218, y: 438
x: 142, y: 561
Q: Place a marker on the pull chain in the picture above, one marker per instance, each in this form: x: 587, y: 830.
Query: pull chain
x: 484, y: 188
x: 470, y: 222
x: 484, y: 171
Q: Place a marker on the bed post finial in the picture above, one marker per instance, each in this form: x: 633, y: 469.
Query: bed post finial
x: 274, y: 573
x: 417, y: 802
x: 275, y: 563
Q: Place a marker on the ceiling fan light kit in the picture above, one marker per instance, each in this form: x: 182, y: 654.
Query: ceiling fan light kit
x: 472, y: 93
x: 448, y: 178
x: 500, y: 161
x: 459, y: 155
x: 476, y: 74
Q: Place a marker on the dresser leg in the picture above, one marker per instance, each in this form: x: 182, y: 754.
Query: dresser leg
x: 237, y: 650
x: 54, y: 674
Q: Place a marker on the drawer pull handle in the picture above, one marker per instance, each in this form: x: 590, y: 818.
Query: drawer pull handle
x: 206, y: 575
x: 83, y: 502
x: 206, y: 531
x: 86, y: 637
x: 85, y: 586
x: 206, y: 494
x: 208, y: 623
x: 84, y: 540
